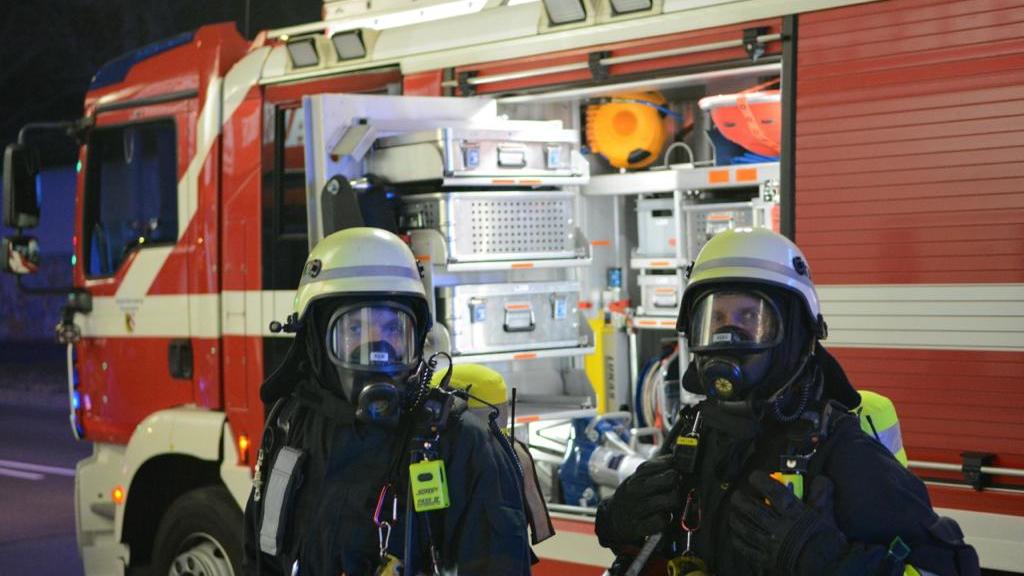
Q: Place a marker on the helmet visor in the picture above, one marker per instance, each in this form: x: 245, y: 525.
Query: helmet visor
x: 377, y: 337
x: 734, y: 320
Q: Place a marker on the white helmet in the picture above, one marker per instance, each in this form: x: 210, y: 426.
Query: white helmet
x: 362, y: 263
x: 757, y: 256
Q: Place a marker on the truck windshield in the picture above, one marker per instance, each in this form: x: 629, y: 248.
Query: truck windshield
x: 131, y: 196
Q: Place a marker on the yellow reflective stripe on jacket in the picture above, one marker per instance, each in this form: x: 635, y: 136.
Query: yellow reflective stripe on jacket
x: 878, y: 419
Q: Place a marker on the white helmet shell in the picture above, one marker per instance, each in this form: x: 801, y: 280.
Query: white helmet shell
x: 362, y: 262
x: 757, y: 256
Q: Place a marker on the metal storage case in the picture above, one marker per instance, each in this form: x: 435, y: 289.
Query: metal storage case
x: 660, y: 294
x: 506, y: 154
x: 492, y: 226
x: 655, y: 224
x: 487, y: 318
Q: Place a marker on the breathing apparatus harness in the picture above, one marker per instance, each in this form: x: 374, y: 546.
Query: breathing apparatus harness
x: 430, y: 412
x: 806, y: 432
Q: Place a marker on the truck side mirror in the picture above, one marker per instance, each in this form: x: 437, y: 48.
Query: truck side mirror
x: 21, y: 199
x: 20, y: 255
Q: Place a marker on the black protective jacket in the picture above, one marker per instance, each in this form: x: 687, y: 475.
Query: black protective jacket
x: 876, y: 498
x: 329, y: 527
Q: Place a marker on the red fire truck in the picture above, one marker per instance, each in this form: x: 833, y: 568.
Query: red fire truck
x: 899, y: 174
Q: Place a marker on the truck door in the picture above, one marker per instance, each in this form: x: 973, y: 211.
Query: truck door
x: 132, y: 253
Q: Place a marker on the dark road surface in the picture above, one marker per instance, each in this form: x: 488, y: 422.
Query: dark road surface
x: 37, y: 460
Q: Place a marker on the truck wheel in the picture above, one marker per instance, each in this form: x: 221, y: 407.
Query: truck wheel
x: 200, y: 535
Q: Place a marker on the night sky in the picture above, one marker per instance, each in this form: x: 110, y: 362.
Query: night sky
x: 50, y: 49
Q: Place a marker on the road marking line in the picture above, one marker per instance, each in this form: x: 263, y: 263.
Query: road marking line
x: 69, y: 472
x: 22, y: 475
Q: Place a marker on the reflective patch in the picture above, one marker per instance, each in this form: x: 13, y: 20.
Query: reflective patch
x: 358, y: 272
x: 284, y: 481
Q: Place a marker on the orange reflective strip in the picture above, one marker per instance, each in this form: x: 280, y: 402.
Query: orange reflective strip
x: 600, y: 242
x: 522, y: 265
x: 517, y: 306
x: 718, y: 177
x: 524, y: 356
x: 660, y: 264
x: 746, y: 175
x: 502, y: 181
x: 529, y: 182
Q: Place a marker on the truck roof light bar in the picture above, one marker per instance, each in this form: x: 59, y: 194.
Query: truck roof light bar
x: 565, y: 11
x: 629, y: 6
x: 349, y: 45
x: 303, y: 52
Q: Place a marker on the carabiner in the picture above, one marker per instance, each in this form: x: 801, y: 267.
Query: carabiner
x: 691, y: 505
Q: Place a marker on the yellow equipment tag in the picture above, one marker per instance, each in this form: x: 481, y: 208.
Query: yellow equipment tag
x: 795, y: 483
x: 429, y: 485
x: 686, y: 441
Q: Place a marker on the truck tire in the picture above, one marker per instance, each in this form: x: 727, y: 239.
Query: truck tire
x: 200, y: 535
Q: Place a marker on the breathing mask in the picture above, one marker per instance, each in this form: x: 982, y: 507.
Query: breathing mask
x: 733, y: 335
x: 373, y: 349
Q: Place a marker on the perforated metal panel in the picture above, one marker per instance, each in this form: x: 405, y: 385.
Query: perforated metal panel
x: 483, y: 226
x: 703, y: 222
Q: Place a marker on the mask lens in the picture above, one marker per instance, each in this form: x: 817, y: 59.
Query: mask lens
x: 733, y: 320
x: 375, y: 337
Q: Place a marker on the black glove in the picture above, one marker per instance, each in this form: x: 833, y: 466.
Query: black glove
x: 773, y: 529
x: 642, y: 505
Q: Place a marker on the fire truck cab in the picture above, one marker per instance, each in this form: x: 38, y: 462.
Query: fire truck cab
x: 205, y: 160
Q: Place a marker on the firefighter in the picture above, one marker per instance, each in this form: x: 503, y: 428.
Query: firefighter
x: 771, y: 474
x: 351, y: 413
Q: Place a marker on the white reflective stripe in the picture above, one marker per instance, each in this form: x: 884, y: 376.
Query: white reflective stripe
x: 381, y: 270
x: 143, y: 271
x: 996, y: 537
x: 890, y: 437
x: 928, y: 316
x: 142, y: 317
x: 20, y: 475
x: 241, y: 78
x: 249, y: 312
x: 209, y: 128
x: 204, y: 315
x: 233, y: 308
x: 59, y: 471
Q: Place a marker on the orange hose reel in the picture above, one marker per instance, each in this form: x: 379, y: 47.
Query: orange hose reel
x: 627, y: 132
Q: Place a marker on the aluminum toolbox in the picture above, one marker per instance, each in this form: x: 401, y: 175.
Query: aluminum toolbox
x: 492, y: 226
x: 486, y: 318
x: 703, y: 221
x: 656, y: 227
x: 660, y: 294
x: 507, y: 154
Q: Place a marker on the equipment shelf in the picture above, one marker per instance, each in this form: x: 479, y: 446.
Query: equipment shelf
x: 667, y: 180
